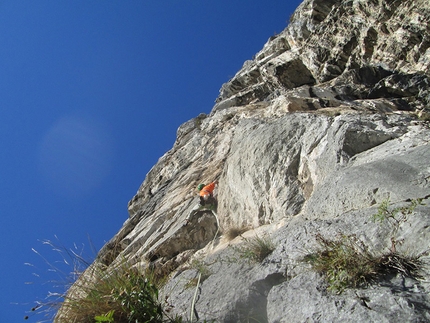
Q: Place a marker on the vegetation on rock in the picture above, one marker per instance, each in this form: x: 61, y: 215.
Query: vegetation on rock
x: 123, y: 295
x: 255, y: 249
x: 346, y: 262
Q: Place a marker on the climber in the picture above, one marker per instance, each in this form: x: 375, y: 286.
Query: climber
x: 207, y: 201
x: 206, y: 193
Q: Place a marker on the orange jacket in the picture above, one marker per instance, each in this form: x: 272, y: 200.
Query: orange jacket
x: 208, y: 189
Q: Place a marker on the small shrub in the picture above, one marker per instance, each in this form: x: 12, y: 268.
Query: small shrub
x: 97, y: 293
x: 127, y: 293
x: 255, y: 249
x: 343, y: 262
x: 108, y: 317
x: 395, y: 215
x: 383, y: 212
x: 347, y: 263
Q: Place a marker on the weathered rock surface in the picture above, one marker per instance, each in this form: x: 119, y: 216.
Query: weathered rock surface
x: 328, y: 121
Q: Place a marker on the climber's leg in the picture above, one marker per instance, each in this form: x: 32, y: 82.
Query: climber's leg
x: 212, y: 203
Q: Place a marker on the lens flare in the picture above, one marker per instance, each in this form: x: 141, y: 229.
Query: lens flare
x: 76, y: 155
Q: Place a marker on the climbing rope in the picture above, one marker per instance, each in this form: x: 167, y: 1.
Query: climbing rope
x: 200, y: 274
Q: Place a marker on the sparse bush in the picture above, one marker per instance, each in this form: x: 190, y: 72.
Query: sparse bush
x: 255, y: 249
x: 347, y: 263
x: 396, y: 216
x: 97, y: 293
x: 131, y: 295
x: 343, y: 262
x: 234, y: 232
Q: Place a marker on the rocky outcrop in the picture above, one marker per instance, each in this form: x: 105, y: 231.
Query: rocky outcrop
x: 328, y: 121
x: 360, y: 46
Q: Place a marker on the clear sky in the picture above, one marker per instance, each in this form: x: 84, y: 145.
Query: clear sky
x: 91, y: 95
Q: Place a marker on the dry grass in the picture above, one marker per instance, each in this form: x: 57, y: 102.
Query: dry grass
x: 128, y: 292
x: 234, y: 232
x: 347, y: 263
x: 255, y: 249
x: 120, y: 293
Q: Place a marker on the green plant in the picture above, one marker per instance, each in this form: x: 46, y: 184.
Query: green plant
x: 63, y: 269
x: 344, y: 262
x: 123, y: 292
x: 347, y: 263
x: 126, y: 292
x: 255, y: 249
x: 395, y: 215
x: 108, y: 317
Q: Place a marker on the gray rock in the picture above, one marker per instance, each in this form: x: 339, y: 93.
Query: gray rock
x: 326, y: 124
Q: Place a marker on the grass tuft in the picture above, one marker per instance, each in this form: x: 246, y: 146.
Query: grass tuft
x: 347, y: 263
x: 255, y: 249
x: 126, y: 292
x: 63, y: 269
x: 234, y: 232
x: 97, y: 293
x: 395, y: 216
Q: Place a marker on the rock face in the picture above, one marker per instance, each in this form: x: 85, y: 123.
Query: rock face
x: 328, y: 121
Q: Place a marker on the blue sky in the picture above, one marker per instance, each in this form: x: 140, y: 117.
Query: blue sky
x: 91, y: 95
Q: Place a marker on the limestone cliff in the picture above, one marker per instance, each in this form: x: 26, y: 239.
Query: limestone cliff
x: 326, y: 123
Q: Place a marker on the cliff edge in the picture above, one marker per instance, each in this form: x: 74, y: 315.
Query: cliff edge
x: 321, y: 139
